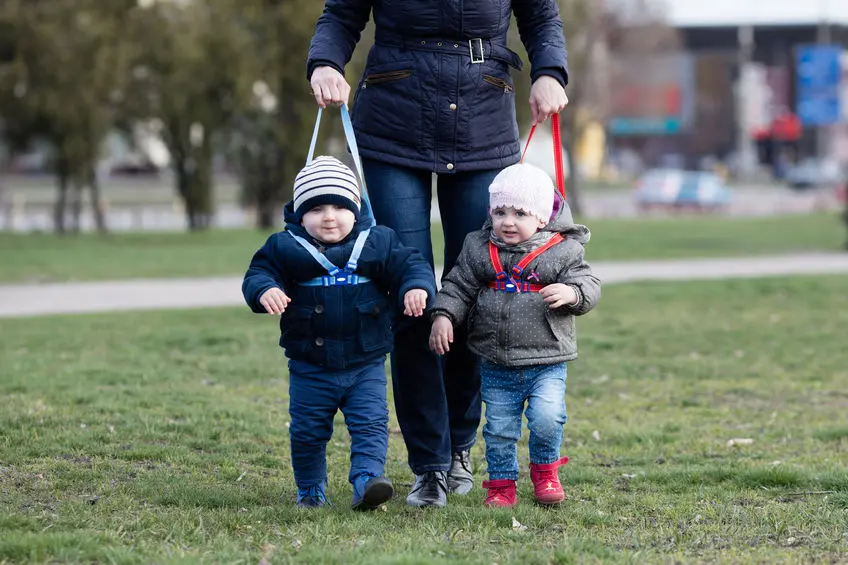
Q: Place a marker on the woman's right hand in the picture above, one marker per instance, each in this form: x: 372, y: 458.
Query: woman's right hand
x: 329, y: 86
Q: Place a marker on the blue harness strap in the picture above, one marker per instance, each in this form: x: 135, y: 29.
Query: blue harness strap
x: 336, y: 276
x: 350, y: 137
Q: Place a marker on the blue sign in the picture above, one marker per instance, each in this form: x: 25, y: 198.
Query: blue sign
x: 645, y: 126
x: 819, y: 70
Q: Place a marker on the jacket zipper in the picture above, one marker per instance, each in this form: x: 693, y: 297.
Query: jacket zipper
x: 379, y: 78
x: 499, y: 83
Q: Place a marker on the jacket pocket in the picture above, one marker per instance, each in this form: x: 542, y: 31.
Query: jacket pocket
x: 492, y: 121
x: 388, y: 103
x: 381, y: 78
x: 375, y: 330
x: 561, y: 324
x: 499, y: 83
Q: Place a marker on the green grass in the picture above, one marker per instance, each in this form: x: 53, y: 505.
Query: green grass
x: 47, y: 257
x: 161, y: 437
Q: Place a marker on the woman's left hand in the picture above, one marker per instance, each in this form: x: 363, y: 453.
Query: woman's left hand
x: 547, y: 97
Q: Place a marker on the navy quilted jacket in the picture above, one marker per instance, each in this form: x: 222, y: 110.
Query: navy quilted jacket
x: 436, y: 92
x: 344, y: 326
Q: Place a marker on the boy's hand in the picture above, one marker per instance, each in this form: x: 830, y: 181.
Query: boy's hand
x: 441, y: 335
x: 558, y: 295
x: 414, y: 302
x: 274, y: 301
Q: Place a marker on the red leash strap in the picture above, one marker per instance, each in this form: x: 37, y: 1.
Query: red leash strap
x: 560, y: 172
x: 558, y: 165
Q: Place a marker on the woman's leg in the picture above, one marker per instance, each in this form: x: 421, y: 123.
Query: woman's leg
x: 401, y: 198
x: 464, y: 207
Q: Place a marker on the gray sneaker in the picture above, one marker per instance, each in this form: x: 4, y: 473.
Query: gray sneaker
x: 430, y: 489
x: 460, y: 476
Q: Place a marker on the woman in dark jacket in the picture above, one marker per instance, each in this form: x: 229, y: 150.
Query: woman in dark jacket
x: 437, y: 97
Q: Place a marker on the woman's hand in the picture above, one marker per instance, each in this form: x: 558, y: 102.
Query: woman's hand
x: 547, y: 97
x: 329, y: 86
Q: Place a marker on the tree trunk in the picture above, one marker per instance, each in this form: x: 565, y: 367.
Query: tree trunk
x: 61, y: 197
x: 573, y: 184
x: 76, y: 204
x: 96, y: 201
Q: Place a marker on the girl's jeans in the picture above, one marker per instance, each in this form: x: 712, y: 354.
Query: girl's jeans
x: 505, y: 391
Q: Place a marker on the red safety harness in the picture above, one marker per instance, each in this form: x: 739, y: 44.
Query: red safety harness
x: 504, y: 282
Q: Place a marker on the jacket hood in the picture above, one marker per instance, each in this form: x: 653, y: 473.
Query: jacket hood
x: 562, y: 222
x: 292, y: 224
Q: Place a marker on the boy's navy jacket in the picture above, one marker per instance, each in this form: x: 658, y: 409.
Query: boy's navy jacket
x: 344, y: 326
x: 421, y: 102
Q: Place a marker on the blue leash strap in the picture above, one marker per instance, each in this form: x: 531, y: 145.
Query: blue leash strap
x: 350, y: 137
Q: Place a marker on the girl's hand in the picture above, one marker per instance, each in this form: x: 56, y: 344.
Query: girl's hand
x: 441, y: 335
x: 274, y: 300
x: 558, y: 295
x: 414, y: 302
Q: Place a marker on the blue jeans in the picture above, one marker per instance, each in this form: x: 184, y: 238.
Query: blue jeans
x: 505, y: 390
x: 315, y: 394
x: 437, y: 400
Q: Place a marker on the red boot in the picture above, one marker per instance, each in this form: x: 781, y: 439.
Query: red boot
x: 546, y: 486
x: 501, y: 493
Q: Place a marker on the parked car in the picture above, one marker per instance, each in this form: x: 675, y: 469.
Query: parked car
x: 814, y: 173
x: 676, y: 188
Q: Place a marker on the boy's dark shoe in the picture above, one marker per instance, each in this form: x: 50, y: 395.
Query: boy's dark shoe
x: 460, y: 476
x: 369, y: 492
x: 312, y: 497
x: 430, y: 489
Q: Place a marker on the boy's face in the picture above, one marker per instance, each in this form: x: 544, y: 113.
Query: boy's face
x: 514, y: 226
x: 328, y: 223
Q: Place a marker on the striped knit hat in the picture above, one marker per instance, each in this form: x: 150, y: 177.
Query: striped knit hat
x: 325, y: 180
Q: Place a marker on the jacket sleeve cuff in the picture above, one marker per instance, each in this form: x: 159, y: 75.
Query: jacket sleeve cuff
x: 313, y: 64
x: 560, y: 74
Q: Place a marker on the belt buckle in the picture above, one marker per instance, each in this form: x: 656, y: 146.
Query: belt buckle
x: 474, y: 59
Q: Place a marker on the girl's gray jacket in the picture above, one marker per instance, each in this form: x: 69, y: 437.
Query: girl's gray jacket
x: 519, y: 329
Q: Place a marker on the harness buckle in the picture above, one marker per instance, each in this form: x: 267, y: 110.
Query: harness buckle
x: 471, y: 43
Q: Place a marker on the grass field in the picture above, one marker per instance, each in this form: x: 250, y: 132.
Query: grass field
x: 46, y: 257
x: 161, y: 437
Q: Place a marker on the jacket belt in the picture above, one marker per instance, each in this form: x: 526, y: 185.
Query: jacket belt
x: 477, y: 49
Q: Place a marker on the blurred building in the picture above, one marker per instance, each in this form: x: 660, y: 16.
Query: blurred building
x: 747, y: 69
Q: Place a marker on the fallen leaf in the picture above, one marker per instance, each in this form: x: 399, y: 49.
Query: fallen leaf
x: 596, y: 435
x: 628, y: 476
x: 518, y: 526
x: 740, y: 441
x: 297, y: 544
x: 238, y: 480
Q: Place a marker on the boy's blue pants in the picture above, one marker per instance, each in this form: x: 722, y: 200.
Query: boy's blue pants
x: 315, y: 394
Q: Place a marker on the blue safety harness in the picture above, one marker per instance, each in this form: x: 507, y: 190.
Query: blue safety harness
x: 336, y: 276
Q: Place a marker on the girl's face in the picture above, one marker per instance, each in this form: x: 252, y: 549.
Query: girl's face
x: 514, y: 226
x: 328, y: 223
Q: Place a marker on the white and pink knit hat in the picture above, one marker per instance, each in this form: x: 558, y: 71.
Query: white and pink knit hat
x: 523, y: 187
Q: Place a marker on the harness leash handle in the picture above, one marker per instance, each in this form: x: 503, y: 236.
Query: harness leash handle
x: 558, y: 165
x: 350, y: 137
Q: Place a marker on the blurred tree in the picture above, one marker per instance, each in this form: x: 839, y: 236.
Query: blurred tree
x: 597, y: 31
x: 63, y: 85
x: 271, y: 136
x: 189, y: 74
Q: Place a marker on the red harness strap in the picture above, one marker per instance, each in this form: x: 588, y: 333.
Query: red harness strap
x: 510, y: 284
